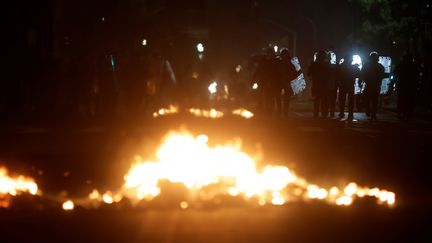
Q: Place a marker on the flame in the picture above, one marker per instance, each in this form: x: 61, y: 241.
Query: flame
x: 166, y: 111
x: 68, y: 205
x: 12, y: 186
x: 212, y: 113
x: 225, y: 170
x: 243, y: 113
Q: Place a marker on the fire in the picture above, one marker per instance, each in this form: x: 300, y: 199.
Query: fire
x: 68, y: 205
x: 206, y: 172
x: 166, y: 111
x: 12, y: 186
x: 212, y: 113
x: 243, y: 113
x: 206, y: 113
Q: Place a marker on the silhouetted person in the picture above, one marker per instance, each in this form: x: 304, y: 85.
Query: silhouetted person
x: 372, y: 74
x: 408, y: 75
x: 268, y: 80
x: 346, y: 76
x: 288, y: 73
x: 320, y: 73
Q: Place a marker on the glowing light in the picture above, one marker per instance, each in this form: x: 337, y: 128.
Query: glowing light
x: 68, y: 205
x: 200, y: 47
x: 144, y: 42
x: 255, y: 86
x: 357, y: 60
x: 184, y: 205
x: 350, y: 189
x: 212, y: 113
x: 238, y: 68
x: 243, y: 113
x: 277, y: 199
x: 213, y: 88
x: 166, y: 111
x: 224, y: 170
x: 195, y: 75
x: 16, y: 185
x: 107, y: 198
x: 94, y: 195
x: 344, y: 201
x: 276, y: 49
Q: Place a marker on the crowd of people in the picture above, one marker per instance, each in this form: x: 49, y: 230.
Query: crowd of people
x: 140, y: 84
x: 334, y: 83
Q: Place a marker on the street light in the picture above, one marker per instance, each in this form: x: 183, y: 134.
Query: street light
x: 144, y: 42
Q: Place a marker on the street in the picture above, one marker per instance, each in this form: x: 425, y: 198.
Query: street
x: 75, y: 158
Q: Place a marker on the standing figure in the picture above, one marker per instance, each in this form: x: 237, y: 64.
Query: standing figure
x: 320, y: 73
x: 372, y: 75
x: 266, y: 75
x: 346, y: 77
x: 408, y: 75
x: 288, y: 74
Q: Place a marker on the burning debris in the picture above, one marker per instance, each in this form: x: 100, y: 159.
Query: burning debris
x: 205, y: 113
x: 210, y: 173
x: 212, y: 113
x: 198, y: 173
x: 13, y: 186
x: 243, y: 113
x: 166, y: 111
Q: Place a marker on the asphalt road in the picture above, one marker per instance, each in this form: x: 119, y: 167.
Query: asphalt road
x: 387, y: 153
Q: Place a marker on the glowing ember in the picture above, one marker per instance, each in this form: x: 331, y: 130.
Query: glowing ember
x: 12, y: 186
x: 207, y: 172
x: 255, y: 86
x: 212, y: 113
x: 243, y: 113
x: 166, y: 111
x: 68, y: 205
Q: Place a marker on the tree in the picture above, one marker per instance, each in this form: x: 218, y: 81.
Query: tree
x: 393, y: 25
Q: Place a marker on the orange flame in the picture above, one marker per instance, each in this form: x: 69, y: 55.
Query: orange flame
x: 12, y: 186
x: 190, y: 161
x: 166, y: 111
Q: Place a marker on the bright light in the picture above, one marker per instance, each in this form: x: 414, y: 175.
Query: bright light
x: 200, y: 48
x: 144, y: 42
x: 68, y: 205
x: 184, y: 205
x: 213, y: 88
x: 225, y: 170
x: 356, y: 60
x: 275, y: 48
x: 166, y: 111
x: 255, y: 86
x: 212, y: 113
x: 238, y: 68
x: 107, y: 198
x: 333, y: 57
x: 243, y: 112
x: 16, y: 185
